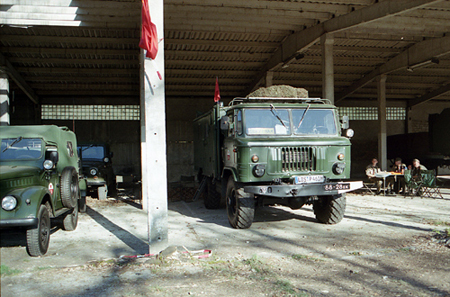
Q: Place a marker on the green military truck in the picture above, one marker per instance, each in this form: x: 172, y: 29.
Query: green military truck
x: 265, y: 151
x: 39, y: 180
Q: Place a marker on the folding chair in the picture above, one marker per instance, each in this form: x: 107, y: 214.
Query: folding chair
x: 431, y: 189
x: 368, y: 187
x: 414, y: 187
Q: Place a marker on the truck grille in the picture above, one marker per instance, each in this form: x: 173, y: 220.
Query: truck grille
x: 298, y: 159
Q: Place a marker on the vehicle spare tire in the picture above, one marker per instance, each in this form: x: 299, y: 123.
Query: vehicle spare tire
x: 69, y: 187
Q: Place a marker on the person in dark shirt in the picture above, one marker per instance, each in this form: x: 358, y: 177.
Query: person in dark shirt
x: 417, y: 169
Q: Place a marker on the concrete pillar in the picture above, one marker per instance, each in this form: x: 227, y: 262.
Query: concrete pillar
x: 327, y: 41
x: 269, y: 79
x: 153, y: 138
x: 4, y: 100
x: 382, y: 137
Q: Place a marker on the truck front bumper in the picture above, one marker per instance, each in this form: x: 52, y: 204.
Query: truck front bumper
x: 10, y: 223
x: 302, y: 190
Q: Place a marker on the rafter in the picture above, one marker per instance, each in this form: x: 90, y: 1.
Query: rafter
x: 418, y: 53
x: 298, y: 41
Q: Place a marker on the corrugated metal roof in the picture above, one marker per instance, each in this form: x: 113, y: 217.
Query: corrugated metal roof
x: 232, y: 40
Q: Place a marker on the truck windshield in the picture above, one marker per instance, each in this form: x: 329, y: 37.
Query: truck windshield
x: 92, y: 152
x: 315, y: 121
x: 21, y: 149
x: 267, y: 122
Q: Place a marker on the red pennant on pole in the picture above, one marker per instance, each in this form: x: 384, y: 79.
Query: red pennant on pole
x: 217, y: 91
x: 149, y: 36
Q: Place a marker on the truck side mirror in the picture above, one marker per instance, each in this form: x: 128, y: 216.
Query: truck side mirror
x: 345, y: 122
x: 224, y: 123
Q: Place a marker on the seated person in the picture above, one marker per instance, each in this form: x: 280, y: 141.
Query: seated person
x: 416, y: 170
x: 371, y: 171
x: 398, y: 182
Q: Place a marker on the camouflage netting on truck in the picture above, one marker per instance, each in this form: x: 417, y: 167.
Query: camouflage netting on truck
x: 280, y: 91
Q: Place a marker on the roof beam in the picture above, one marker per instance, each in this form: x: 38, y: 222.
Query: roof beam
x: 416, y: 54
x: 300, y: 40
x: 6, y: 66
x: 427, y: 97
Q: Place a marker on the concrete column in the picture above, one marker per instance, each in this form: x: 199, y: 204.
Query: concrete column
x: 269, y: 79
x: 327, y: 41
x: 153, y: 139
x: 4, y: 100
x: 382, y: 137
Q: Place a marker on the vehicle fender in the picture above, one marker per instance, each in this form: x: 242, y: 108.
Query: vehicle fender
x: 35, y: 195
x: 227, y: 171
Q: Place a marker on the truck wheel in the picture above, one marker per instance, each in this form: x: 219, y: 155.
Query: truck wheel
x: 82, y: 204
x: 69, y: 187
x: 212, y: 197
x: 330, y: 209
x: 240, y: 206
x: 38, y: 238
x: 70, y: 221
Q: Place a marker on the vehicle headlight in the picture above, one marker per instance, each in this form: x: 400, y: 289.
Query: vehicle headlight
x: 93, y: 171
x: 259, y: 170
x: 48, y: 164
x: 9, y: 202
x: 349, y: 133
x: 255, y: 158
x: 106, y: 159
x: 339, y: 168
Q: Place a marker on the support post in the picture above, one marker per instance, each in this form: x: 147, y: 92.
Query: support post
x: 382, y: 138
x: 4, y: 100
x: 153, y: 138
x: 327, y: 41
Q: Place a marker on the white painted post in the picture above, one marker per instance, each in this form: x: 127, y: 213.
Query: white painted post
x: 327, y: 41
x: 382, y: 138
x: 4, y: 100
x: 153, y: 139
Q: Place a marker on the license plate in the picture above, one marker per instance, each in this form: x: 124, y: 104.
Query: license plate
x: 309, y: 179
x: 331, y: 187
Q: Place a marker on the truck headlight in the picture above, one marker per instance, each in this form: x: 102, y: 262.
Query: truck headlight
x: 48, y: 164
x: 349, y: 133
x: 259, y: 170
x: 93, y: 171
x: 9, y: 202
x: 338, y: 168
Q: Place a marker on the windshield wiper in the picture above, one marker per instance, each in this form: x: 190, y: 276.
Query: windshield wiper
x: 18, y: 139
x: 272, y: 109
x: 303, y: 116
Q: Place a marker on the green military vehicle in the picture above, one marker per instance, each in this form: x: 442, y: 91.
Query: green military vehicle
x: 265, y: 151
x: 39, y: 180
x: 96, y: 167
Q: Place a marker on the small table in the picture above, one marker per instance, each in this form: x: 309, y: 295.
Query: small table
x: 383, y: 175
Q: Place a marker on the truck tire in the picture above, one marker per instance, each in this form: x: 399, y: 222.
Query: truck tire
x: 70, y: 221
x: 212, y: 197
x: 69, y: 187
x: 240, y: 206
x: 38, y: 238
x: 330, y: 209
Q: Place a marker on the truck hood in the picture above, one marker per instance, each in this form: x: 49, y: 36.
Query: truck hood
x: 293, y: 141
x: 13, y: 171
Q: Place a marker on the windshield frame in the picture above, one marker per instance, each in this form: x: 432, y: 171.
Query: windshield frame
x: 84, y: 147
x: 10, y: 149
x: 291, y: 125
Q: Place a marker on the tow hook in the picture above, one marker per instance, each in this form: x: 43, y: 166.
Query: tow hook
x: 294, y: 192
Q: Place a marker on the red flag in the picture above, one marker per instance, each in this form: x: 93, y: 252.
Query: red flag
x: 217, y: 92
x: 149, y: 36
